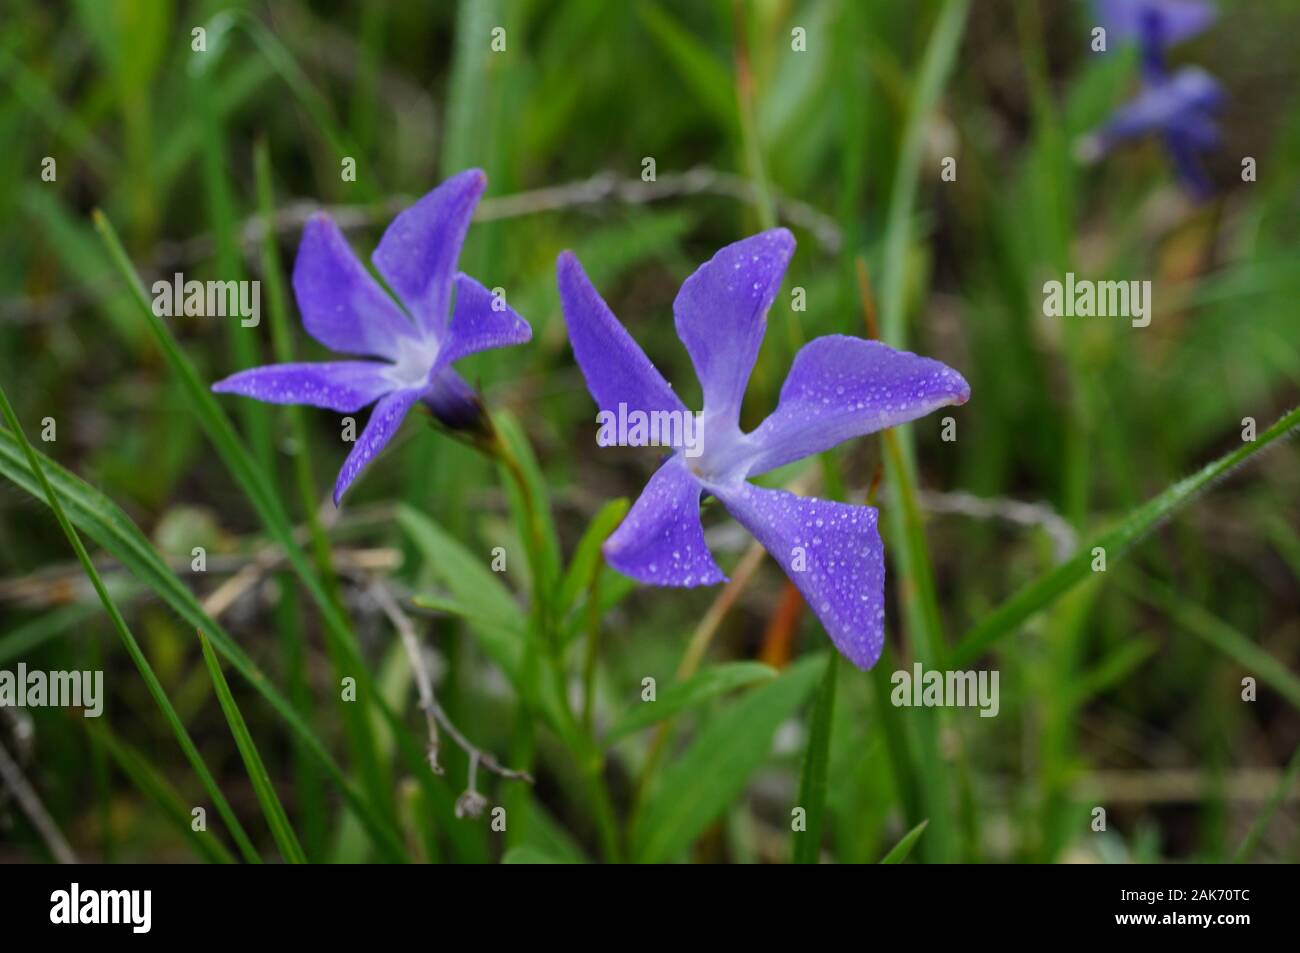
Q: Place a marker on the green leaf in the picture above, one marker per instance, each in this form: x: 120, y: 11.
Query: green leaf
x: 812, y: 783
x: 587, y: 558
x: 273, y: 810
x: 488, y: 607
x: 714, y: 770
x: 466, y: 574
x: 695, y: 691
x: 1117, y: 543
x: 904, y: 847
x: 128, y: 640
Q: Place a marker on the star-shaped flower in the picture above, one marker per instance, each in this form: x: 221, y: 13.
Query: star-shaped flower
x: 1181, y: 110
x: 409, y: 344
x: 838, y: 387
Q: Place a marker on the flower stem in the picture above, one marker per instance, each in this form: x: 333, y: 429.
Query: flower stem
x: 543, y: 645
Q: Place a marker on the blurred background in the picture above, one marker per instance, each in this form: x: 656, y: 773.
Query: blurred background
x: 1125, y: 694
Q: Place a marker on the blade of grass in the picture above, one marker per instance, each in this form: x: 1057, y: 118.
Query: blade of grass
x: 128, y: 640
x: 906, y: 531
x: 701, y: 72
x: 1117, y: 543
x: 586, y: 557
x: 1256, y: 832
x: 340, y: 641
x: 111, y: 528
x: 222, y: 218
x: 310, y: 793
x: 899, y: 852
x: 276, y: 818
x: 159, y: 790
x: 31, y: 635
x: 1220, y: 635
x: 283, y: 62
x: 816, y: 765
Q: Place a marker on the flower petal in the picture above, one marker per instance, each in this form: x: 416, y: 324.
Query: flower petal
x: 831, y: 552
x: 342, y: 305
x: 479, y: 323
x: 661, y: 540
x: 721, y: 315
x: 418, y: 252
x: 344, y: 386
x: 1189, y: 92
x: 383, y: 423
x: 616, y: 369
x: 1167, y: 22
x: 841, y: 387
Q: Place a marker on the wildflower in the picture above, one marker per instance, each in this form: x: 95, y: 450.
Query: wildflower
x: 1180, y: 107
x: 1181, y: 111
x: 1155, y: 24
x: 838, y: 387
x: 408, y: 345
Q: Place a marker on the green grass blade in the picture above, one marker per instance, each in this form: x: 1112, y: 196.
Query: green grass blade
x: 940, y: 54
x: 283, y: 62
x: 276, y: 818
x: 707, y: 78
x: 1116, y: 542
x: 587, y: 558
x: 906, y: 531
x: 899, y: 852
x: 1256, y: 832
x: 816, y: 765
x: 32, y: 634
x: 111, y: 528
x: 160, y: 791
x: 533, y: 514
x: 290, y: 621
x: 340, y: 641
x: 714, y: 770
x: 128, y: 640
x: 1221, y: 636
x: 697, y: 690
x: 223, y: 221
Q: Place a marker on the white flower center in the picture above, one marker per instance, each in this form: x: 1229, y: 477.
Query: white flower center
x: 412, y: 366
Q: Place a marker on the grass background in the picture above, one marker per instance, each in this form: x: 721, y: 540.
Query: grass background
x: 1122, y: 690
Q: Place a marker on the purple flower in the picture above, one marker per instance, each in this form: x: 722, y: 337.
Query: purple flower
x: 1180, y: 109
x: 838, y: 387
x: 410, y: 343
x: 1155, y: 24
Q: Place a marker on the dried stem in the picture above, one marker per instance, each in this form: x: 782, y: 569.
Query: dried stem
x: 30, y: 802
x: 596, y: 190
x: 435, y: 716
